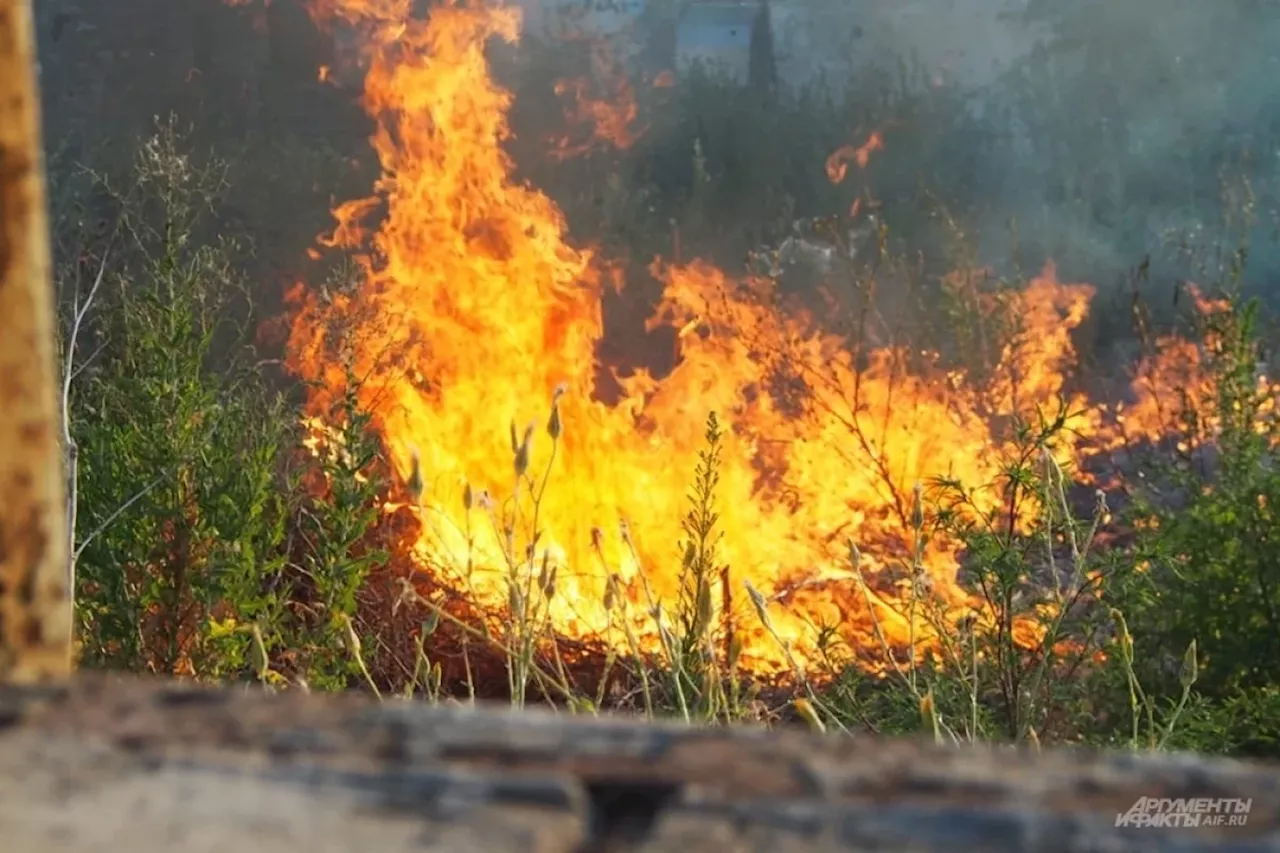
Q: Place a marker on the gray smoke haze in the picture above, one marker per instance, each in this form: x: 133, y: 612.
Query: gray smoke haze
x: 1100, y: 126
x: 1096, y: 126
x: 1102, y: 129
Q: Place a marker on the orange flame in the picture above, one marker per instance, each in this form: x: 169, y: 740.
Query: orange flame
x: 1174, y: 381
x: 838, y: 162
x: 474, y: 327
x: 610, y: 120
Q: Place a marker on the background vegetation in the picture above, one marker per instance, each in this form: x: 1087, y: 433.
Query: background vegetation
x: 209, y: 543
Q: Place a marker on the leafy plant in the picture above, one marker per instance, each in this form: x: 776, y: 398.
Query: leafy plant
x: 179, y: 518
x: 199, y: 551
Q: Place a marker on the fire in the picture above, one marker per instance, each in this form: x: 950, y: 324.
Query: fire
x: 1174, y: 382
x: 610, y: 120
x: 472, y: 334
x: 838, y: 162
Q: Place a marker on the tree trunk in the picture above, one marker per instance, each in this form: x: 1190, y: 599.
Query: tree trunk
x: 35, y: 607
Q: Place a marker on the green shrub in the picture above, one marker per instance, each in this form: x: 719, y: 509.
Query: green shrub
x: 201, y: 550
x: 1207, y: 546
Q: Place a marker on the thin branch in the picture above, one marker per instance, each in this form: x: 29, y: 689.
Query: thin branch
x: 88, y: 361
x: 120, y: 510
x: 69, y: 371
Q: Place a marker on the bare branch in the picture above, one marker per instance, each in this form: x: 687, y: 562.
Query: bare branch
x: 88, y: 361
x: 119, y: 511
x: 69, y: 373
x: 69, y: 362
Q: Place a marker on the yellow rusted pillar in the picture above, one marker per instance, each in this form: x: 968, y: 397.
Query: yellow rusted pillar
x: 35, y: 604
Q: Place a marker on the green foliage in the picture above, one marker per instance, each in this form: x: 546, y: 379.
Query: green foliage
x: 179, y: 517
x: 694, y: 647
x: 331, y: 521
x: 698, y: 567
x: 1208, y: 548
x: 1239, y: 723
x: 200, y: 551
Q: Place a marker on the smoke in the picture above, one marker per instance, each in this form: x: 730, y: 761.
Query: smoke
x: 1109, y: 130
x: 1091, y: 132
x: 1148, y: 118
x: 965, y: 43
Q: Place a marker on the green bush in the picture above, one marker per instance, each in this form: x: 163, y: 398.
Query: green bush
x: 1206, y: 545
x: 202, y: 548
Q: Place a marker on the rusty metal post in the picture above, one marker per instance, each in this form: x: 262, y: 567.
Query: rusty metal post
x: 35, y: 603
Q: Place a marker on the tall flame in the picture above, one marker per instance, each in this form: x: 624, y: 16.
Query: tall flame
x: 474, y: 313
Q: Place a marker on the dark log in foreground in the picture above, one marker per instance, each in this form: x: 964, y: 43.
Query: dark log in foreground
x: 145, y: 767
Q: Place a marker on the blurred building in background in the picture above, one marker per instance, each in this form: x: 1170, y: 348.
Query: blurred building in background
x: 965, y: 43
x: 725, y: 37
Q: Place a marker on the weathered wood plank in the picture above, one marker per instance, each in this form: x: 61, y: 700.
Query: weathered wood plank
x: 146, y: 767
x: 35, y: 607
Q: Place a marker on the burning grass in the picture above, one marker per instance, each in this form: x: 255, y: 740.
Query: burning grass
x: 796, y: 506
x: 474, y: 332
